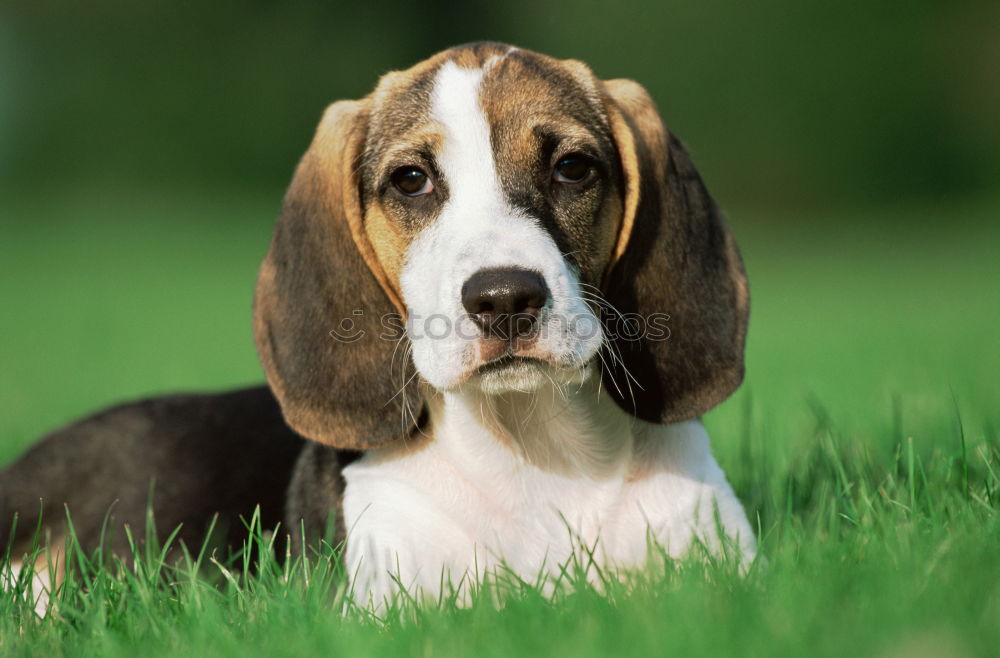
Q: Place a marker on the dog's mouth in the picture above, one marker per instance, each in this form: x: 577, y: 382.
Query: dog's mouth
x: 510, y: 373
x: 510, y: 364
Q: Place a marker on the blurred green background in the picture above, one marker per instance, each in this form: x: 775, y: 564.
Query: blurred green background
x: 787, y: 104
x: 855, y: 146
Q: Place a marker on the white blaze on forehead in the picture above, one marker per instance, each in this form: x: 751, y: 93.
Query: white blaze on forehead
x: 466, y: 155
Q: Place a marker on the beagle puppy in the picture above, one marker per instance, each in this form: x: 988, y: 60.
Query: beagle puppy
x: 497, y: 300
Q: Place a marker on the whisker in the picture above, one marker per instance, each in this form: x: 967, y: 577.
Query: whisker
x: 611, y: 347
x: 400, y: 389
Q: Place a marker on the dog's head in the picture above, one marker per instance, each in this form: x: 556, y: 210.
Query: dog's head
x: 526, y: 221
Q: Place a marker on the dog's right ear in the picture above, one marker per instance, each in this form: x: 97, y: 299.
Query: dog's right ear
x: 676, y: 259
x: 323, y: 303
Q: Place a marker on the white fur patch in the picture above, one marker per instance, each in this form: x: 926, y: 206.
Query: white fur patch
x: 581, y: 475
x: 41, y: 585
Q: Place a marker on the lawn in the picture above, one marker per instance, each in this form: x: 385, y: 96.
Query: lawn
x: 865, y: 443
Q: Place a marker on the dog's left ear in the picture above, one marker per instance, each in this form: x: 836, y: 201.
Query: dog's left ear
x: 677, y: 268
x: 324, y: 304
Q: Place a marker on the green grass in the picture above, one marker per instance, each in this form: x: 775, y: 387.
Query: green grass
x: 864, y: 444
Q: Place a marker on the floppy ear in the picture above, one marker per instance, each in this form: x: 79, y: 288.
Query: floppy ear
x: 321, y: 299
x: 674, y: 257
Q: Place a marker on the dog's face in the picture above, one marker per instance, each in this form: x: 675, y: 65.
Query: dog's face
x: 502, y: 202
x: 491, y: 193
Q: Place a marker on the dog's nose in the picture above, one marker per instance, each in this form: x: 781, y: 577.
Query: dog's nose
x: 505, y: 302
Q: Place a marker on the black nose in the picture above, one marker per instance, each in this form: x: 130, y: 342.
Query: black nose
x: 505, y: 302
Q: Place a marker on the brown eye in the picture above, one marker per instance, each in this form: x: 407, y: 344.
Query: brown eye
x: 573, y: 168
x: 412, y: 181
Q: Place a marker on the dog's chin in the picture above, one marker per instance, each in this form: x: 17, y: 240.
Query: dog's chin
x: 521, y: 374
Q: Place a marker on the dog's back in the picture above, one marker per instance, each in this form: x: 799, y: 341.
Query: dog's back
x: 189, y: 456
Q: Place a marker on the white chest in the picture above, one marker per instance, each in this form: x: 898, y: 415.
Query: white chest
x: 463, y: 502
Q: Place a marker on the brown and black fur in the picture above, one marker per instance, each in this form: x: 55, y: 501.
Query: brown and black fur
x: 191, y: 456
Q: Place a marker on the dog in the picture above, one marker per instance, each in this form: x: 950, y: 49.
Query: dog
x: 497, y: 300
